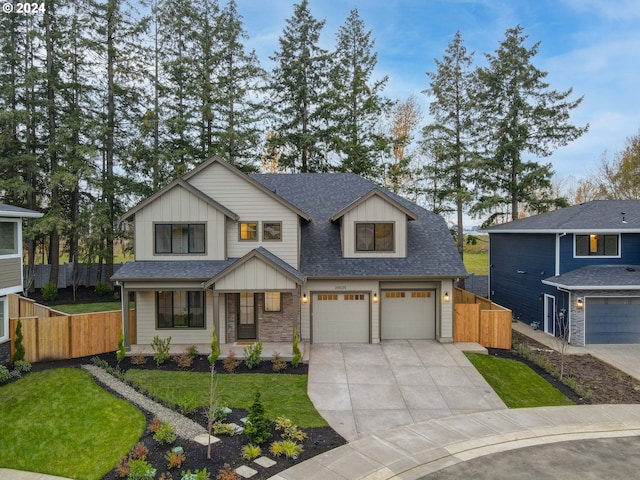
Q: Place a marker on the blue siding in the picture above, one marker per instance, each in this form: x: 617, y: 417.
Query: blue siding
x: 629, y: 250
x: 533, y: 254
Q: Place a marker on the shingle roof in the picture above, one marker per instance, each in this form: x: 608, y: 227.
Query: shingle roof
x: 594, y: 216
x: 11, y: 211
x: 191, y: 270
x: 431, y: 250
x: 598, y: 277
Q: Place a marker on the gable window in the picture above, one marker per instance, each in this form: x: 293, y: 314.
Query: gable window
x: 248, y: 230
x: 374, y: 237
x: 179, y: 238
x: 8, y: 238
x: 597, y: 245
x: 180, y: 309
x: 272, y: 302
x: 272, y: 231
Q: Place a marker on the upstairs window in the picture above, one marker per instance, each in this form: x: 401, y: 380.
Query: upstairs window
x: 374, y: 237
x: 8, y: 238
x: 271, y: 231
x: 595, y: 245
x: 249, y: 231
x: 179, y: 238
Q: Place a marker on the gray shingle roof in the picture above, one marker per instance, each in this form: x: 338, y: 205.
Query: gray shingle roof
x: 11, y: 211
x: 282, y: 264
x: 192, y: 270
x: 431, y: 250
x: 598, y: 277
x: 598, y: 215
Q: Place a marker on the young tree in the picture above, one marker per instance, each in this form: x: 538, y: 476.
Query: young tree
x: 298, y: 89
x: 356, y: 104
x: 449, y: 139
x: 518, y: 115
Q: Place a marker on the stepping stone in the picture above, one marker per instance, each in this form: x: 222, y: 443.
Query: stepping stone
x: 246, y: 472
x: 265, y: 462
x: 237, y: 428
x: 203, y: 439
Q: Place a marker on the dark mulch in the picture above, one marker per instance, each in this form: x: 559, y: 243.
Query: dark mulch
x: 66, y: 296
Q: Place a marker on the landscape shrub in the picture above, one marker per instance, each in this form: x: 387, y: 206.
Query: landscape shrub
x: 277, y: 363
x: 121, y: 350
x: 160, y: 348
x: 258, y: 426
x: 174, y: 458
x: 297, y: 354
x: 249, y: 452
x: 19, y: 353
x: 165, y: 435
x: 215, y: 350
x: 49, y: 291
x: 22, y: 366
x: 288, y: 448
x: 5, y: 375
x: 103, y: 288
x: 253, y: 355
x: 141, y: 470
x: 231, y: 363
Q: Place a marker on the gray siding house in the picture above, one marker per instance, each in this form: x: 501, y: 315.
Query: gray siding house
x: 332, y: 255
x: 11, y: 280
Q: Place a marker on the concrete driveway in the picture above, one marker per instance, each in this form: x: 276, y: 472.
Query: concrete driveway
x: 362, y: 389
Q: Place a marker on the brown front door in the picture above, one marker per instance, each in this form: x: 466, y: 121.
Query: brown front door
x: 246, y: 316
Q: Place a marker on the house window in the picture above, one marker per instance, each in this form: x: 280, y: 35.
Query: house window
x: 8, y: 238
x: 180, y: 238
x: 4, y: 328
x: 374, y: 237
x: 272, y: 302
x: 272, y: 231
x: 597, y: 245
x: 249, y: 231
x: 180, y: 309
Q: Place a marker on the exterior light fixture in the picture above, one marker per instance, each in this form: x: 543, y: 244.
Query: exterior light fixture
x: 375, y: 298
x: 579, y: 303
x: 304, y: 298
x: 446, y: 297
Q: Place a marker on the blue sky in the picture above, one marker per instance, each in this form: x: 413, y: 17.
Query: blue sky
x: 590, y: 45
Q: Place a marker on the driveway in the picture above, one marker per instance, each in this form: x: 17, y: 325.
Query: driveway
x: 362, y: 389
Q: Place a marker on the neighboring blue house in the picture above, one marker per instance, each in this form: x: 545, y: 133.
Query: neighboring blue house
x: 581, y: 261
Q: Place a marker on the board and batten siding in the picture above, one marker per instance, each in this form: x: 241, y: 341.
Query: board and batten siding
x: 179, y: 206
x: 252, y: 205
x: 10, y: 273
x: 254, y: 274
x: 375, y: 209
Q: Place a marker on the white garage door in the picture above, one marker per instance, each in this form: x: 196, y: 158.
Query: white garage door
x: 408, y: 314
x: 340, y: 317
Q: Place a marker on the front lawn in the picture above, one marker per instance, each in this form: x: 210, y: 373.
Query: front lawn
x: 281, y: 394
x: 73, y: 308
x: 517, y: 384
x: 61, y: 423
x: 477, y: 263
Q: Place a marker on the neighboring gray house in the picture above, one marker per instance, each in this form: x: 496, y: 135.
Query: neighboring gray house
x: 11, y: 280
x: 581, y: 262
x: 333, y: 255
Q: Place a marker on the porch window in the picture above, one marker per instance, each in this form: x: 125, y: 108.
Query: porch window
x: 597, y: 245
x: 249, y: 231
x: 180, y: 309
x: 8, y: 238
x: 374, y: 237
x: 272, y: 302
x: 179, y: 238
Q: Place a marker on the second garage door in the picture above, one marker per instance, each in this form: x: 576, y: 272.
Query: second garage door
x: 612, y: 320
x: 408, y: 314
x: 340, y: 317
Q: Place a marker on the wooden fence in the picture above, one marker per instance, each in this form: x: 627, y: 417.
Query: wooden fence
x: 479, y: 320
x: 52, y: 335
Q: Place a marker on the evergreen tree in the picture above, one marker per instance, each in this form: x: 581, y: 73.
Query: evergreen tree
x: 298, y: 93
x: 519, y: 115
x: 356, y: 105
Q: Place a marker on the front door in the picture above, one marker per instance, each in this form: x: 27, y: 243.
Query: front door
x: 246, y: 316
x: 549, y: 314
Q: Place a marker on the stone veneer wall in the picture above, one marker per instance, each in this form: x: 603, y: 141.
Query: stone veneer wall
x: 272, y: 326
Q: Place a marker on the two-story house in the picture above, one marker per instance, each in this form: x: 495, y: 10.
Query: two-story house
x: 580, y: 263
x: 332, y: 255
x: 11, y: 276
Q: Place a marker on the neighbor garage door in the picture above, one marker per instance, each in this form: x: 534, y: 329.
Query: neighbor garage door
x: 408, y: 314
x: 612, y: 320
x: 340, y: 317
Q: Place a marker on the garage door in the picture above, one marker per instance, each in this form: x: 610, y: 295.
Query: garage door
x: 340, y: 317
x: 612, y: 320
x: 408, y: 314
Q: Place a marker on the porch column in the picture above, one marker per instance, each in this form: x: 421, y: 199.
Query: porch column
x: 124, y: 300
x: 216, y: 317
x: 297, y: 318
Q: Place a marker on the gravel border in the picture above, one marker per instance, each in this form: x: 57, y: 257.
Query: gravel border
x: 185, y: 428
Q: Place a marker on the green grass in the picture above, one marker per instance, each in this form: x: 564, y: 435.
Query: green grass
x: 517, y: 385
x: 61, y: 423
x: 73, y: 308
x: 477, y: 263
x: 281, y: 395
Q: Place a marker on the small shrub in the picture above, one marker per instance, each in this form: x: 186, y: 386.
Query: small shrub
x: 121, y: 350
x: 15, y: 374
x: 161, y: 349
x: 141, y: 470
x: 184, y: 361
x: 253, y: 355
x: 231, y: 363
x: 220, y: 428
x: 249, y: 452
x: 297, y: 354
x: 22, y: 366
x: 288, y: 448
x: 226, y: 473
x: 18, y: 355
x: 197, y: 475
x: 139, y: 359
x: 139, y: 452
x: 122, y: 468
x: 103, y: 288
x: 191, y: 351
x: 5, y: 375
x: 49, y: 291
x: 277, y: 363
x: 174, y: 459
x: 290, y: 430
x: 258, y: 426
x: 165, y: 435
x: 165, y: 476
x: 155, y: 425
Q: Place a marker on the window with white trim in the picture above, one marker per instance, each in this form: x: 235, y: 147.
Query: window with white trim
x: 597, y: 245
x: 9, y: 238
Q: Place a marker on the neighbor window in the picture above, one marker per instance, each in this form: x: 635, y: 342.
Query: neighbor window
x: 271, y: 231
x: 179, y: 238
x: 597, y: 245
x: 374, y: 237
x: 272, y: 302
x: 180, y: 309
x: 8, y: 238
x: 248, y: 231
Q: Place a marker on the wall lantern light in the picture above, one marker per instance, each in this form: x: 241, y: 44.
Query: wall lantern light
x: 375, y: 298
x: 446, y: 297
x: 304, y: 298
x: 579, y: 303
